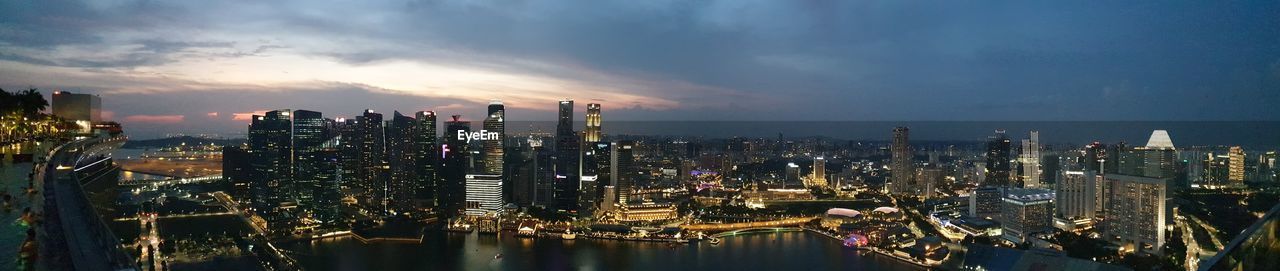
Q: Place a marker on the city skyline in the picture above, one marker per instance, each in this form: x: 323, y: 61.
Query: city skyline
x: 652, y: 61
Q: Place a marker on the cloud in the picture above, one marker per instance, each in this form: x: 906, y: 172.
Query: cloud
x: 154, y: 119
x: 247, y: 115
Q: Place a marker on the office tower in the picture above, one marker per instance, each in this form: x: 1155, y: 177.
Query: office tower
x: 1267, y: 167
x: 402, y: 165
x: 309, y: 133
x: 930, y: 179
x: 349, y: 155
x: 1114, y: 152
x: 270, y: 142
x: 455, y: 155
x: 494, y: 148
x: 819, y: 176
x: 791, y: 173
x: 900, y: 163
x: 1030, y: 161
x: 589, y: 198
x: 1094, y: 155
x: 426, y: 147
x: 326, y: 186
x: 371, y: 156
x: 568, y: 160
x: 1025, y: 212
x: 592, y: 132
x: 985, y: 202
x: 543, y: 168
x: 483, y: 194
x: 1077, y: 194
x: 998, y: 160
x: 1235, y: 164
x: 237, y: 171
x: 622, y: 158
x: 81, y: 109
x: 1136, y: 213
x: 609, y: 199
x: 603, y: 152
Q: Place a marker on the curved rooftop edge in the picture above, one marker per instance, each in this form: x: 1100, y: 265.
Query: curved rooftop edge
x: 73, y: 236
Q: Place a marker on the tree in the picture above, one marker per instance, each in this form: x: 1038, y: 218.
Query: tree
x: 32, y: 102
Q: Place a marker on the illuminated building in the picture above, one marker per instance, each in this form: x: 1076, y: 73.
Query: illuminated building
x: 758, y: 199
x: 1094, y: 155
x: 622, y: 156
x: 371, y: 153
x: 592, y: 131
x: 929, y: 180
x: 270, y: 144
x: 836, y: 217
x: 427, y: 155
x: 998, y: 160
x: 567, y: 160
x: 237, y: 170
x: 454, y: 155
x: 900, y: 164
x: 398, y: 189
x: 1076, y: 198
x: 985, y: 202
x: 792, y: 173
x: 647, y: 211
x: 819, y: 176
x: 493, y: 148
x: 483, y: 194
x: 1024, y: 212
x: 315, y: 165
x: 1136, y: 213
x: 1030, y: 161
x: 1235, y: 164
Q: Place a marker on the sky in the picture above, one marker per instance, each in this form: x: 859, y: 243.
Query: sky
x: 205, y: 66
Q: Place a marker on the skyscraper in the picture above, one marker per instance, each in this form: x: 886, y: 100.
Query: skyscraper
x: 371, y: 156
x: 1094, y: 156
x: 1030, y: 161
x: 901, y: 164
x: 270, y: 144
x: 568, y: 160
x: 309, y: 134
x: 818, y: 178
x: 454, y: 154
x: 622, y: 158
x: 427, y: 155
x: 1136, y: 213
x: 494, y: 148
x: 592, y: 131
x: 985, y: 202
x: 998, y: 160
x: 402, y: 168
x: 1235, y: 164
x: 483, y: 194
x: 1076, y: 194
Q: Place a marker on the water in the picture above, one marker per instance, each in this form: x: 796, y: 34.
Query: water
x: 454, y: 251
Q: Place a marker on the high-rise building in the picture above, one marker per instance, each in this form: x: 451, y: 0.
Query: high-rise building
x: 791, y: 173
x: 592, y: 131
x: 494, y: 148
x: 568, y: 160
x: 309, y: 134
x: 238, y: 171
x: 370, y: 149
x: 1030, y: 161
x: 622, y: 156
x: 326, y: 185
x: 1235, y: 164
x: 930, y: 179
x: 985, y: 202
x: 271, y: 148
x: 398, y: 191
x: 1136, y: 212
x: 483, y: 194
x: 1025, y: 212
x: 590, y: 196
x: 426, y: 146
x: 998, y: 160
x: 1076, y: 194
x: 818, y: 178
x: 1094, y: 156
x: 455, y: 155
x: 901, y: 164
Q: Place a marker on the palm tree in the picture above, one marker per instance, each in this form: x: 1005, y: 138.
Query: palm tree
x: 32, y: 102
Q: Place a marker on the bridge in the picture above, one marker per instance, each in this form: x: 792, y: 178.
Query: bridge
x: 757, y: 230
x: 72, y: 235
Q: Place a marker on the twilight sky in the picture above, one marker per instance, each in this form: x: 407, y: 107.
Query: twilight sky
x: 202, y: 66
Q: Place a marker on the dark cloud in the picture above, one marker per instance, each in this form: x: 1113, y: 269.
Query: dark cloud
x: 830, y: 60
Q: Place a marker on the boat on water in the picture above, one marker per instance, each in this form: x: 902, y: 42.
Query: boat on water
x: 568, y: 236
x: 714, y: 241
x: 497, y: 257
